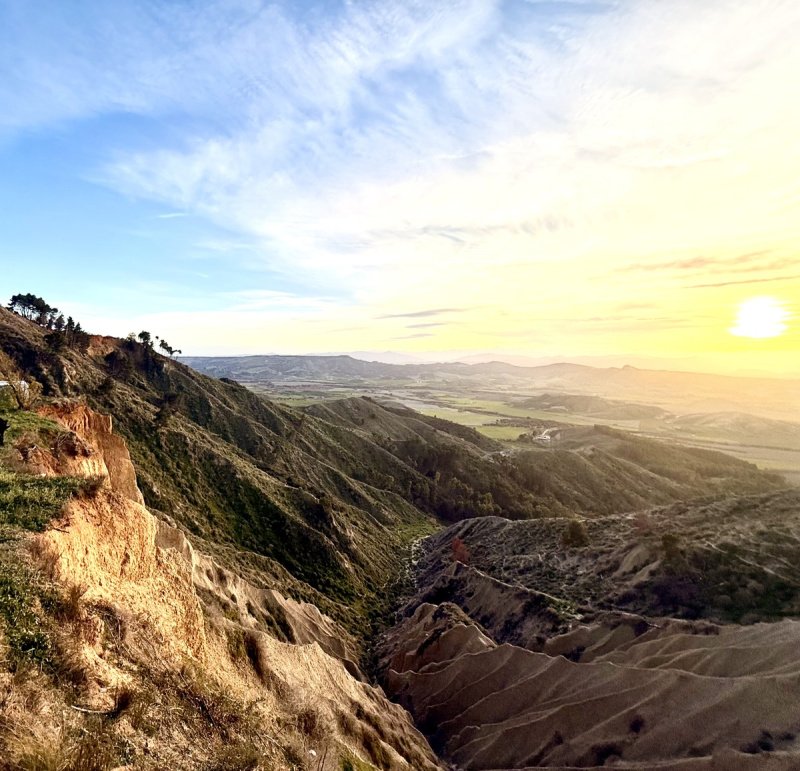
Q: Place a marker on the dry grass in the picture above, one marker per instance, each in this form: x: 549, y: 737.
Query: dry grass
x: 87, y: 748
x: 242, y: 756
x: 348, y: 725
x: 310, y: 724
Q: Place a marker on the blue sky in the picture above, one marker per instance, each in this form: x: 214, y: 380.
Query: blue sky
x: 548, y: 177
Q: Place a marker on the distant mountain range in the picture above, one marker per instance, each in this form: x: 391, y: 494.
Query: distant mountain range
x: 280, y: 366
x: 671, y: 363
x: 771, y: 397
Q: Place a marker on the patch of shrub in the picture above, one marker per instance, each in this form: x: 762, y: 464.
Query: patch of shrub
x: 202, y: 697
x: 352, y: 763
x: 309, y: 724
x: 93, y: 748
x: 31, y: 502
x: 575, y: 534
x: 25, y: 636
x: 348, y: 725
x: 241, y: 756
x: 670, y: 545
x: 237, y: 646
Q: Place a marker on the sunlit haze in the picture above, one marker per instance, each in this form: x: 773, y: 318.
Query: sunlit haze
x: 761, y: 317
x: 571, y: 180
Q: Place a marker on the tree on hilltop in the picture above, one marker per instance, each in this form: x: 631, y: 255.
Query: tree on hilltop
x: 64, y: 333
x: 33, y: 308
x: 167, y: 348
x: 79, y: 339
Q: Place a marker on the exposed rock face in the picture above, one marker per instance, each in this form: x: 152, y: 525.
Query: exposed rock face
x: 182, y: 608
x: 258, y: 608
x: 114, y: 460
x: 656, y: 700
x: 108, y: 545
x: 501, y: 676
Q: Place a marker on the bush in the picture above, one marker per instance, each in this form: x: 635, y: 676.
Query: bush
x: 575, y: 534
x: 352, y: 763
x: 106, y: 387
x: 91, y: 749
x: 309, y: 724
x: 670, y: 544
x: 460, y: 551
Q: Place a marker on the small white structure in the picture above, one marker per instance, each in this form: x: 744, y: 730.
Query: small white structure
x: 548, y: 436
x: 5, y: 384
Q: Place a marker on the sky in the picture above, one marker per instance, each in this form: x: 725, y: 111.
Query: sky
x: 565, y: 179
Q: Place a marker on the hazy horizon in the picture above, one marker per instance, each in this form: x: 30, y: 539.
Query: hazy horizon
x: 552, y: 180
x: 609, y: 361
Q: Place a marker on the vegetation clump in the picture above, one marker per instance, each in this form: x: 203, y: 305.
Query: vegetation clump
x: 31, y: 502
x: 20, y: 595
x: 575, y: 534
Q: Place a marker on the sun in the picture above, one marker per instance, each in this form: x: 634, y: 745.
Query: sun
x: 760, y: 317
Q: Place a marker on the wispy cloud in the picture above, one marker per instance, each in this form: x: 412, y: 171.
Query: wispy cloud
x: 421, y: 314
x: 772, y: 279
x: 268, y: 299
x: 698, y: 263
x: 365, y: 131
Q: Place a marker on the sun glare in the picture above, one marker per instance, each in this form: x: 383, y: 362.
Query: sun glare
x: 760, y: 317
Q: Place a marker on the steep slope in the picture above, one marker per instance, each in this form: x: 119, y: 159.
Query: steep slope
x: 707, y: 698
x: 240, y: 569
x: 728, y: 559
x: 261, y: 486
x: 157, y: 655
